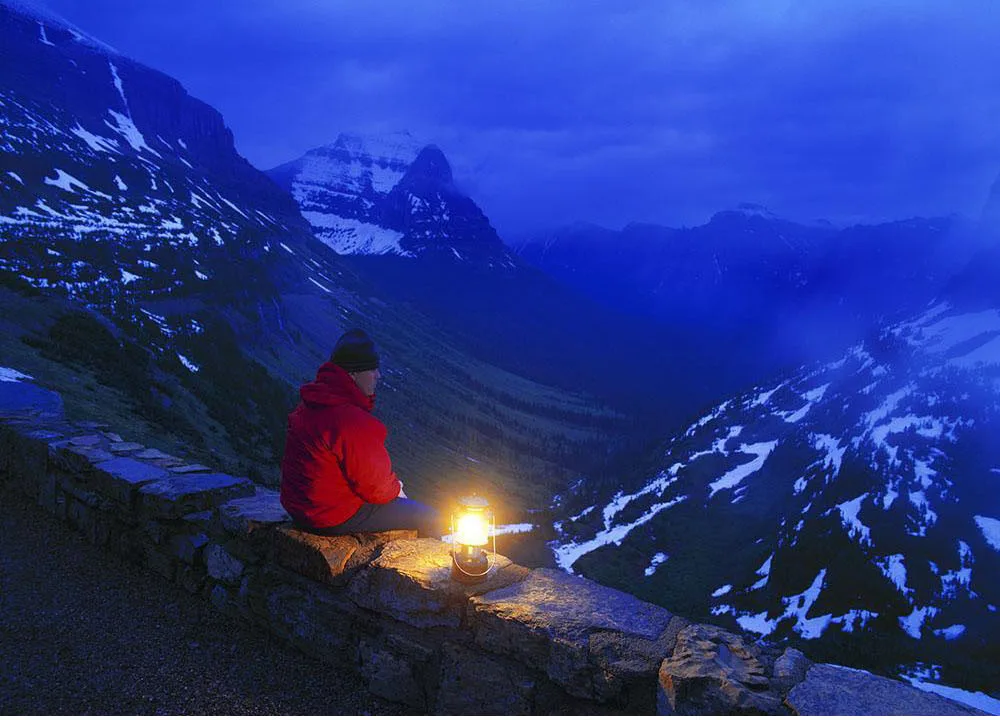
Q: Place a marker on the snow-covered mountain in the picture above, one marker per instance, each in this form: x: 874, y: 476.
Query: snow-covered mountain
x: 854, y: 504
x: 389, y: 205
x: 340, y: 189
x: 115, y: 182
x: 390, y: 195
x: 189, y: 282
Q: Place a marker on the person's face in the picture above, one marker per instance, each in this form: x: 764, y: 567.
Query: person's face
x: 367, y: 380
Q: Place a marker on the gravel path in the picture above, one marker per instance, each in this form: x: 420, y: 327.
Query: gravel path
x: 84, y: 632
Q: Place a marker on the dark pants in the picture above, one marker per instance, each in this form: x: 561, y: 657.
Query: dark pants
x: 398, y: 514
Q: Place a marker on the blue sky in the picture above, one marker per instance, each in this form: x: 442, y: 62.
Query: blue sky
x: 658, y: 111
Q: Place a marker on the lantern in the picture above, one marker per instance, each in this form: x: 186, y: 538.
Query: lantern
x: 473, y: 528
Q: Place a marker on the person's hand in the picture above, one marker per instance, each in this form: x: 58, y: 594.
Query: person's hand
x: 401, y: 493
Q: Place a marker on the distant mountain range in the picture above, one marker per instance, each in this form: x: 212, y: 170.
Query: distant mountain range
x: 392, y: 209
x: 784, y: 293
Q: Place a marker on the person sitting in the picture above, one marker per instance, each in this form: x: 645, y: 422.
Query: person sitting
x: 336, y: 474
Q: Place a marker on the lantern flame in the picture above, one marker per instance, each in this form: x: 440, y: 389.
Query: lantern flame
x: 472, y: 529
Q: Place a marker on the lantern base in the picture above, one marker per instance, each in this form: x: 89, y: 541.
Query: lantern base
x: 470, y: 570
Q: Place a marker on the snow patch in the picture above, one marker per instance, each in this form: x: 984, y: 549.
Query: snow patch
x: 834, y: 453
x: 124, y: 126
x: 64, y: 181
x: 951, y: 632
x: 320, y: 286
x: 811, y: 398
x: 927, y: 516
x: 566, y: 555
x: 764, y: 572
x: 347, y: 236
x: 735, y: 476
x: 97, y: 143
x: 912, y: 624
x: 187, y: 363
x: 894, y: 568
x: 719, y: 592
x: 990, y: 527
x: 707, y: 418
x: 657, y: 560
x: 849, y: 518
x: 796, y: 606
x: 12, y: 375
x: 979, y: 700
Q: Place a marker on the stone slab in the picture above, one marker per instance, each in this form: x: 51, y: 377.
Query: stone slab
x: 245, y: 516
x: 86, y: 440
x: 154, y: 454
x: 189, y: 468
x: 167, y: 463
x: 174, y: 496
x: 125, y: 447
x: 120, y: 478
x: 570, y: 627
x: 411, y: 581
x: 835, y: 690
x: 323, y: 559
x: 75, y: 459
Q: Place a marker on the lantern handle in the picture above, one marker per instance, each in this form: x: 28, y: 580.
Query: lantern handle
x: 492, y: 562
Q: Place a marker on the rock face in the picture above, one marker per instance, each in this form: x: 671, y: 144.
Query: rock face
x: 411, y: 581
x: 594, y: 642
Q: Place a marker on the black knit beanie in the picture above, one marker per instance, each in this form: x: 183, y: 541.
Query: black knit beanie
x: 355, y: 352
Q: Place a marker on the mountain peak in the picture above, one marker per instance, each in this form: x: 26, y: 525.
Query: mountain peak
x: 745, y: 211
x: 388, y: 147
x: 432, y: 167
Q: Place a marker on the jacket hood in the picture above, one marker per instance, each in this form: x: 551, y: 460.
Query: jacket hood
x: 333, y: 386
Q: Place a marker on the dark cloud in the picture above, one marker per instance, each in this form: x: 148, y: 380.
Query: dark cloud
x: 609, y: 112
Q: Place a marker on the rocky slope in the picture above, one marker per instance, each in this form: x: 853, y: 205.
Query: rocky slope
x: 853, y: 505
x: 187, y: 280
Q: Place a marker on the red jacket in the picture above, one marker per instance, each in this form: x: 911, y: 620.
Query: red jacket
x: 335, y: 457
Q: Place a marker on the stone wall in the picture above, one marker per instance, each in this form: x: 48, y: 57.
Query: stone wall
x: 383, y: 605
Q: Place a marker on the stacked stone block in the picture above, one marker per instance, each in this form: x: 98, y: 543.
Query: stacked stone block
x: 385, y: 606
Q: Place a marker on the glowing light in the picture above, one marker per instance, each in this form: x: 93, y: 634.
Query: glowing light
x: 472, y: 529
